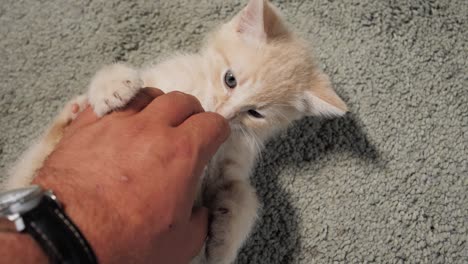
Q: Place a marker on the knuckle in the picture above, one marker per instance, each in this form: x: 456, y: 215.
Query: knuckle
x: 184, y: 97
x: 177, y: 94
x: 150, y: 91
x: 192, y: 98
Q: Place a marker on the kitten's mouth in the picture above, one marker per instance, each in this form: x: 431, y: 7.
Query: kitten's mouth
x: 235, y: 126
x: 228, y: 116
x: 225, y: 112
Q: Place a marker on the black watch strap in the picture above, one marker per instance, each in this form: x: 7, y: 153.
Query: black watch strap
x: 57, y: 235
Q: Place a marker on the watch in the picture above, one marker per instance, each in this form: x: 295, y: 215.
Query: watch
x: 37, y: 212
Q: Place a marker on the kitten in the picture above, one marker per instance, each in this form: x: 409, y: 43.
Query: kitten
x: 254, y: 72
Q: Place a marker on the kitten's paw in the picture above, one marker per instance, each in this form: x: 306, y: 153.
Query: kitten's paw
x: 234, y: 210
x: 113, y: 87
x: 71, y: 109
x: 76, y: 106
x: 23, y: 172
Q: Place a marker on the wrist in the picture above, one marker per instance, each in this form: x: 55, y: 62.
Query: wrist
x: 37, y: 212
x: 85, y: 206
x: 20, y: 248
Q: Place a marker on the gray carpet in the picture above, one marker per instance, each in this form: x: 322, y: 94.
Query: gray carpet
x: 386, y: 184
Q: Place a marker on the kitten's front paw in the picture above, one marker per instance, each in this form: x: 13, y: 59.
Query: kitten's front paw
x: 71, y: 110
x: 113, y: 87
x: 76, y: 106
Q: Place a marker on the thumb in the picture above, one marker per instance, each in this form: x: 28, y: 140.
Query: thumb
x: 198, y: 229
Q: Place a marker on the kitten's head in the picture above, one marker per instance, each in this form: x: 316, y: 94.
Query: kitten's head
x: 265, y: 76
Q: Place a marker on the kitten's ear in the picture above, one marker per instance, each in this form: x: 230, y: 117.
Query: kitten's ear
x: 322, y: 100
x: 259, y: 21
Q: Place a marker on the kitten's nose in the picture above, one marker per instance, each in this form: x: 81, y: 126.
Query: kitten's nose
x: 229, y: 115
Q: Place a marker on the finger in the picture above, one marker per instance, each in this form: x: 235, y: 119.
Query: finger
x: 173, y: 108
x: 209, y: 130
x: 197, y: 230
x: 136, y: 104
x: 142, y: 99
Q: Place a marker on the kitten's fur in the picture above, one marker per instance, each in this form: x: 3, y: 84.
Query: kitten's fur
x: 276, y: 76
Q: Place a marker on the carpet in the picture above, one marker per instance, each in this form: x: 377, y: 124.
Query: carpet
x: 388, y: 183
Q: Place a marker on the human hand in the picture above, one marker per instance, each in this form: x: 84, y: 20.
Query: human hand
x: 129, y: 179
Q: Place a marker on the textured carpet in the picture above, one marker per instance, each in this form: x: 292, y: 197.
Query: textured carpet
x: 386, y: 184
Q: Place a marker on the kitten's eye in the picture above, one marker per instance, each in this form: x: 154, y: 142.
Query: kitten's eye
x: 255, y: 114
x: 230, y: 80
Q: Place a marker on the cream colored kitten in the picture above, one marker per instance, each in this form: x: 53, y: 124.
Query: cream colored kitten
x: 255, y: 73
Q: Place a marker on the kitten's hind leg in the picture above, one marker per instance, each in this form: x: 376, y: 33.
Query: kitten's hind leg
x: 234, y: 212
x: 113, y: 87
x: 22, y: 173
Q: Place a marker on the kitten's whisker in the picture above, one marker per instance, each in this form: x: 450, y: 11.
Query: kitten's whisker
x: 281, y: 115
x: 258, y: 143
x: 251, y: 137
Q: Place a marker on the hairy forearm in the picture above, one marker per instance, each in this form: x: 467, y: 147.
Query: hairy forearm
x: 20, y: 248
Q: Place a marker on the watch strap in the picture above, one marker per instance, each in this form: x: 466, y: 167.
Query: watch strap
x: 60, y: 239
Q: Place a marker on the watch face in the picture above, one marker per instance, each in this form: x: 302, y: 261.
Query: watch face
x: 18, y: 200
